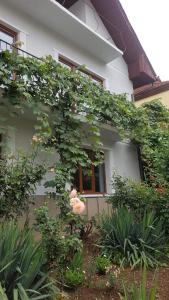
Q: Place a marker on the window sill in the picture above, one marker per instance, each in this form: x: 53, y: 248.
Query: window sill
x: 94, y: 195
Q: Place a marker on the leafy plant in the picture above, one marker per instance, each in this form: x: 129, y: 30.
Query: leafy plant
x: 130, y: 241
x: 140, y: 292
x: 139, y: 197
x: 74, y: 275
x: 21, y: 265
x: 58, y: 243
x: 18, y: 179
x: 73, y: 278
x: 102, y: 264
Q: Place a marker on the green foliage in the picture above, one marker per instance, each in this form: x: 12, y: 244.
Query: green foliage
x: 74, y: 275
x: 141, y: 292
x: 18, y: 179
x: 130, y: 241
x: 73, y: 278
x: 21, y: 265
x: 59, y: 246
x: 131, y: 194
x: 139, y: 197
x: 102, y: 264
x: 63, y: 101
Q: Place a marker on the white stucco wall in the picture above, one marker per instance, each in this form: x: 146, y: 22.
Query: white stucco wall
x: 41, y: 41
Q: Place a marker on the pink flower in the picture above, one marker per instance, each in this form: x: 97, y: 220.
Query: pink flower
x: 74, y: 201
x: 78, y: 208
x: 73, y: 194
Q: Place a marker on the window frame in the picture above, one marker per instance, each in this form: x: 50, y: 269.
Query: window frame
x: 62, y: 59
x: 9, y: 31
x: 93, y: 179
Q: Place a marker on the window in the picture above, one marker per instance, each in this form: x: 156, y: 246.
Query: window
x: 6, y: 35
x: 91, y: 181
x: 71, y: 65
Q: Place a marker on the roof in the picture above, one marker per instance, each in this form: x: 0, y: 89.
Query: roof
x: 151, y: 89
x: 116, y: 22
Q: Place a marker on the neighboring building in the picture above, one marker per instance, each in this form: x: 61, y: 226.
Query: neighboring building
x: 98, y: 34
x: 157, y: 90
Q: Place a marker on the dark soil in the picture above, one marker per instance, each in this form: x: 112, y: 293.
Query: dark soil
x: 95, y: 286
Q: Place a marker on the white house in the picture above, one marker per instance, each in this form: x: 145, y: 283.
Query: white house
x: 94, y: 33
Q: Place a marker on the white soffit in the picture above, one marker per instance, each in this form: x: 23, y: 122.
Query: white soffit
x: 56, y: 17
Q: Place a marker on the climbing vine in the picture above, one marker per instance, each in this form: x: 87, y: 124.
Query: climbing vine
x: 70, y: 110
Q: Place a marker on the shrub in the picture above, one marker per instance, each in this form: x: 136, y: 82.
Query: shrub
x: 139, y: 197
x: 22, y: 264
x: 130, y: 241
x: 18, y: 179
x: 133, y: 195
x: 102, y: 264
x: 59, y: 245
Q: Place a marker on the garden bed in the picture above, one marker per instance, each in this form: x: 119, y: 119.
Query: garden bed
x: 96, y: 288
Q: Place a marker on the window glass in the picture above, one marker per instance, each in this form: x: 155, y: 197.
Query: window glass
x: 87, y: 181
x: 6, y: 35
x: 99, y: 173
x: 90, y: 181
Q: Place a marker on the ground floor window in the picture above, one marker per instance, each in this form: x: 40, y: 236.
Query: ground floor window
x: 91, y: 181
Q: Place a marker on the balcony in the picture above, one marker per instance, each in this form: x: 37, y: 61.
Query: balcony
x: 5, y: 46
x: 55, y: 17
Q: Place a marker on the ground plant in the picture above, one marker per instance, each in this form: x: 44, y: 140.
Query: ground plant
x: 74, y: 274
x: 129, y: 241
x: 141, y: 291
x: 22, y: 265
x: 102, y: 264
x: 139, y: 197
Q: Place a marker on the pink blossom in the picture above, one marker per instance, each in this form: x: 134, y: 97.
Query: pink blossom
x: 78, y: 208
x: 73, y: 194
x: 74, y: 201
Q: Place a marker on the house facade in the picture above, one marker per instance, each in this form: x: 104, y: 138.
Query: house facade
x: 159, y: 90
x: 93, y: 33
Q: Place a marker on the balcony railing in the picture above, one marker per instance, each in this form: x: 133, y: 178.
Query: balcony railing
x: 5, y: 46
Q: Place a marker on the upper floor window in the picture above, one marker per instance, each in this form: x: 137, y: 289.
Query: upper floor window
x: 71, y: 65
x: 7, y: 38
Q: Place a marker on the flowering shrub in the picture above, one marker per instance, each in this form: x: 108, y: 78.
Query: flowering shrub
x: 59, y: 246
x: 77, y: 205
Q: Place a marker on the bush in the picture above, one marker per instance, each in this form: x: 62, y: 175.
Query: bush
x: 130, y: 241
x: 133, y: 195
x: 59, y: 246
x: 139, y: 197
x: 22, y: 264
x: 18, y: 179
x: 102, y: 264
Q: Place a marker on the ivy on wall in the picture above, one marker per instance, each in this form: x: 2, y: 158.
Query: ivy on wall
x: 62, y: 101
